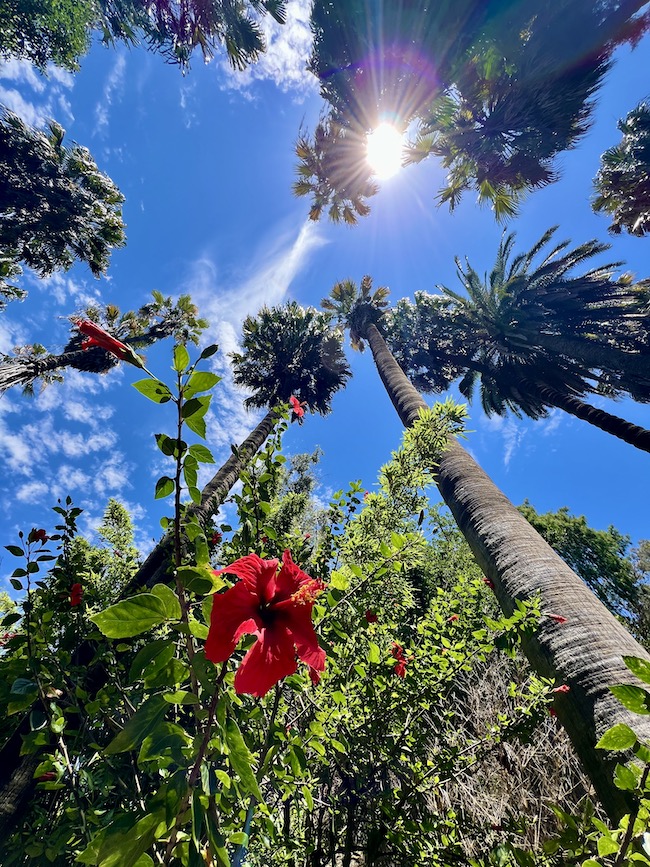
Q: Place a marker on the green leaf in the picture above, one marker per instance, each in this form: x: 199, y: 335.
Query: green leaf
x: 141, y: 724
x: 195, y: 494
x: 201, y: 380
x: 154, y: 655
x: 15, y: 550
x: 181, y: 696
x: 239, y: 838
x: 166, y: 737
x: 202, y: 454
x: 607, y: 846
x: 241, y: 759
x: 169, y: 599
x: 131, y: 616
x: 197, y: 424
x: 640, y: 667
x: 306, y: 793
x: 154, y: 389
x: 374, y: 654
x: 590, y: 863
x: 624, y: 778
x: 619, y: 737
x: 16, y: 584
x: 196, y: 406
x: 181, y: 358
x: 632, y: 697
x: 166, y: 444
x: 164, y: 487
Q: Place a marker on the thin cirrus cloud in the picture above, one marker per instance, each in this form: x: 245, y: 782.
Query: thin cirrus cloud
x: 267, y: 283
x: 113, y: 89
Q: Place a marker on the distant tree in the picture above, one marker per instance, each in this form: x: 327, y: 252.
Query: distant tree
x: 60, y: 32
x: 55, y: 205
x: 495, y: 89
x: 154, y: 321
x: 623, y: 181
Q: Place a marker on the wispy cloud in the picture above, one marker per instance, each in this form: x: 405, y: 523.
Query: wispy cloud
x: 288, y: 47
x: 113, y: 87
x: 35, y: 97
x: 266, y: 283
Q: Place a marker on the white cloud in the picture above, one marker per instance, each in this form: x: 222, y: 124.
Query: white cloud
x: 112, y: 477
x: 288, y: 47
x: 32, y: 491
x: 113, y: 88
x: 33, y: 96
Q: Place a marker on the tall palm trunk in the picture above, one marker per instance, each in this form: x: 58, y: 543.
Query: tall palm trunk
x: 611, y: 424
x: 23, y: 371
x: 213, y: 496
x: 634, y: 365
x: 585, y: 652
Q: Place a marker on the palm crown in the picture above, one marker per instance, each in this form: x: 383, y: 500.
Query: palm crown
x: 290, y: 350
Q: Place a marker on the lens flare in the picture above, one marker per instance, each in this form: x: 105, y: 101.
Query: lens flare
x: 384, y: 151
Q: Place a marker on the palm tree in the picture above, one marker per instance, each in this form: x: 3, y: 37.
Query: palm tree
x: 623, y: 181
x: 586, y: 651
x: 154, y: 321
x: 288, y: 351
x: 490, y: 334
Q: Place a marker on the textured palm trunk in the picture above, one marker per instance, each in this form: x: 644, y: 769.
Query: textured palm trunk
x: 213, y: 495
x: 633, y: 364
x: 611, y: 424
x: 585, y: 652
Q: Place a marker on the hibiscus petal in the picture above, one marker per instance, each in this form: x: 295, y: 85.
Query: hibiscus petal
x: 289, y: 579
x: 269, y: 660
x: 298, y: 622
x: 252, y: 570
x: 234, y: 613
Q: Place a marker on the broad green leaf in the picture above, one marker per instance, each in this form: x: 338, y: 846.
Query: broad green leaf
x: 195, y: 494
x: 181, y: 696
x: 619, y: 737
x: 624, y: 778
x: 640, y: 667
x: 181, y: 358
x: 155, y: 655
x: 197, y: 424
x: 164, y: 487
x: 125, y: 847
x: 201, y: 380
x: 141, y: 724
x: 632, y: 697
x: 201, y: 453
x: 15, y: 550
x: 339, y: 581
x: 196, y: 407
x: 131, y: 616
x: 165, y: 738
x: 239, y: 838
x: 169, y: 599
x: 154, y: 389
x: 607, y: 846
x: 166, y: 444
x: 241, y: 759
x: 309, y: 800
x: 374, y: 654
x: 316, y: 728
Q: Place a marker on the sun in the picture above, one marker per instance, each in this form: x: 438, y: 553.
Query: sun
x: 384, y: 151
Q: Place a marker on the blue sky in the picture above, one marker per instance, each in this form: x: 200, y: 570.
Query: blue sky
x: 206, y: 164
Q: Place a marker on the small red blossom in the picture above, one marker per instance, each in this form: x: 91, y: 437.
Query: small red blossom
x: 400, y: 668
x: 276, y: 607
x: 38, y: 536
x: 297, y: 409
x: 452, y: 619
x: 76, y: 594
x: 215, y: 538
x: 557, y: 618
x: 366, y: 495
x: 552, y: 712
x: 47, y: 777
x: 307, y: 535
x: 371, y: 617
x: 562, y: 689
x: 398, y: 651
x: 489, y: 582
x: 97, y: 336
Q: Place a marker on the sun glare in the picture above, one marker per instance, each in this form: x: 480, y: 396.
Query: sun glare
x: 384, y: 151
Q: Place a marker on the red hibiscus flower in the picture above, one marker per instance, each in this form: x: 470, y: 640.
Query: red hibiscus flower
x: 489, y: 582
x: 398, y: 652
x: 563, y: 688
x: 96, y: 336
x: 276, y: 606
x: 371, y: 617
x: 38, y: 536
x: 76, y: 593
x: 215, y: 538
x: 558, y: 618
x: 452, y: 619
x: 297, y: 409
x: 400, y: 668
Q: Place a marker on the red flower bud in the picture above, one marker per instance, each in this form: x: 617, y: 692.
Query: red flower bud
x: 97, y: 336
x: 371, y: 617
x: 76, y: 592
x: 489, y: 582
x: 557, y: 618
x: 47, y: 777
x: 297, y: 409
x: 400, y: 668
x: 552, y: 712
x: 562, y: 689
x: 38, y: 536
x: 452, y: 619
